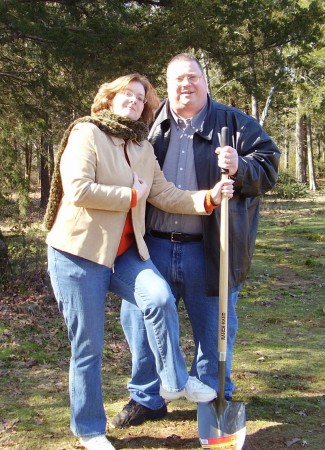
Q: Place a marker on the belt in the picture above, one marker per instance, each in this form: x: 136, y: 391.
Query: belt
x: 177, y: 237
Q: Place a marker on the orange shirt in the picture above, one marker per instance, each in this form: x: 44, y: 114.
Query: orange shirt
x: 127, y: 238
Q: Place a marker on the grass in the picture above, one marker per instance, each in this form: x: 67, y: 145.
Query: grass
x: 279, y: 367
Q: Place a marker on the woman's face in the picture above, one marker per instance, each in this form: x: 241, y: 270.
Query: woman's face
x: 129, y: 101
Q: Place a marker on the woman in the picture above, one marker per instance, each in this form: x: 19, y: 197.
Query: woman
x: 105, y: 173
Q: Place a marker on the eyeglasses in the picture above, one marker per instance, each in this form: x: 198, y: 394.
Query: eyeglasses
x: 130, y: 94
x: 192, y: 79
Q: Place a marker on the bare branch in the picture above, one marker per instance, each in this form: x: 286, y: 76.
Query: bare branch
x: 13, y: 76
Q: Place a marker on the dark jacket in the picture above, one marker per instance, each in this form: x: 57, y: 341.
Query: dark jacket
x: 257, y: 174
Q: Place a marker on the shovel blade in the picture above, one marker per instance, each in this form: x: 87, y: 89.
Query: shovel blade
x: 222, y: 430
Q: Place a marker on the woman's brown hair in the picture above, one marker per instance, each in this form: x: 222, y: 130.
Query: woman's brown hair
x: 107, y: 92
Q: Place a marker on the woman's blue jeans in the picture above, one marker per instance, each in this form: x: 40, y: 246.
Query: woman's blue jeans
x: 183, y: 266
x: 80, y: 287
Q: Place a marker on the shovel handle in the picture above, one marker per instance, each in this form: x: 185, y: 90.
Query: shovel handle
x: 224, y: 139
x: 224, y: 261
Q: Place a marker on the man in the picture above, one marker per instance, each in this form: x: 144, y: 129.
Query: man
x: 186, y: 139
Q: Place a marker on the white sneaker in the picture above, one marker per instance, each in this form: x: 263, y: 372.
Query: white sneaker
x: 198, y: 392
x: 96, y: 443
x: 194, y: 391
x: 169, y: 396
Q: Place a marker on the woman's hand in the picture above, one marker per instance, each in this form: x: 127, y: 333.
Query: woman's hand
x: 139, y: 185
x: 224, y: 187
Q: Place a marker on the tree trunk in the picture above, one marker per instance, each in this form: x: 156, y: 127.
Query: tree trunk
x: 300, y: 145
x: 205, y: 67
x: 311, y: 167
x: 320, y: 154
x: 286, y: 152
x: 4, y: 257
x: 28, y: 152
x: 267, y: 106
x: 46, y: 169
x: 254, y: 99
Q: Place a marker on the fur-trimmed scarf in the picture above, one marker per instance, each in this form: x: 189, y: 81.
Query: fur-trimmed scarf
x: 109, y: 123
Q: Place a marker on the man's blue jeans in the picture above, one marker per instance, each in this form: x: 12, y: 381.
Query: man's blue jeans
x: 183, y: 266
x: 80, y: 287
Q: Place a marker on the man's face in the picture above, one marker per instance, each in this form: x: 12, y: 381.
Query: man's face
x: 186, y: 87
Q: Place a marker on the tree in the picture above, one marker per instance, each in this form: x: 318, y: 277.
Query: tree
x: 54, y: 55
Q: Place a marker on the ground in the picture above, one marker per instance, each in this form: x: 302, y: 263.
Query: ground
x: 278, y: 364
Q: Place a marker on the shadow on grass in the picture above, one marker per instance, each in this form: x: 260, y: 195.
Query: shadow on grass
x: 147, y: 442
x: 273, y: 437
x: 40, y: 402
x: 272, y: 424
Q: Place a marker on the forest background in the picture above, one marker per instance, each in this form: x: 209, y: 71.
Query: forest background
x: 264, y: 57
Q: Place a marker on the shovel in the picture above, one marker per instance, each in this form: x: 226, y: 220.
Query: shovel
x: 222, y: 423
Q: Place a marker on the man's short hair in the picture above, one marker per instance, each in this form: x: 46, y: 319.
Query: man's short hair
x: 185, y: 57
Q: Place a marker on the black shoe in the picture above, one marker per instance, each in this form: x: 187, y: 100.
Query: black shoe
x: 134, y: 414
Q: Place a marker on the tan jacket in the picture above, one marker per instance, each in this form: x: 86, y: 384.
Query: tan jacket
x: 97, y: 184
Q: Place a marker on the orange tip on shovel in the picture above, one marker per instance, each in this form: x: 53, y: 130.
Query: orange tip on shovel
x: 231, y: 442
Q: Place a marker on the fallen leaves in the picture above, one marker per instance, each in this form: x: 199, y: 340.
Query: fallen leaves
x: 7, y: 424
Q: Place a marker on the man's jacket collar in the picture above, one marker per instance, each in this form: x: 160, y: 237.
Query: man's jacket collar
x: 163, y: 120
